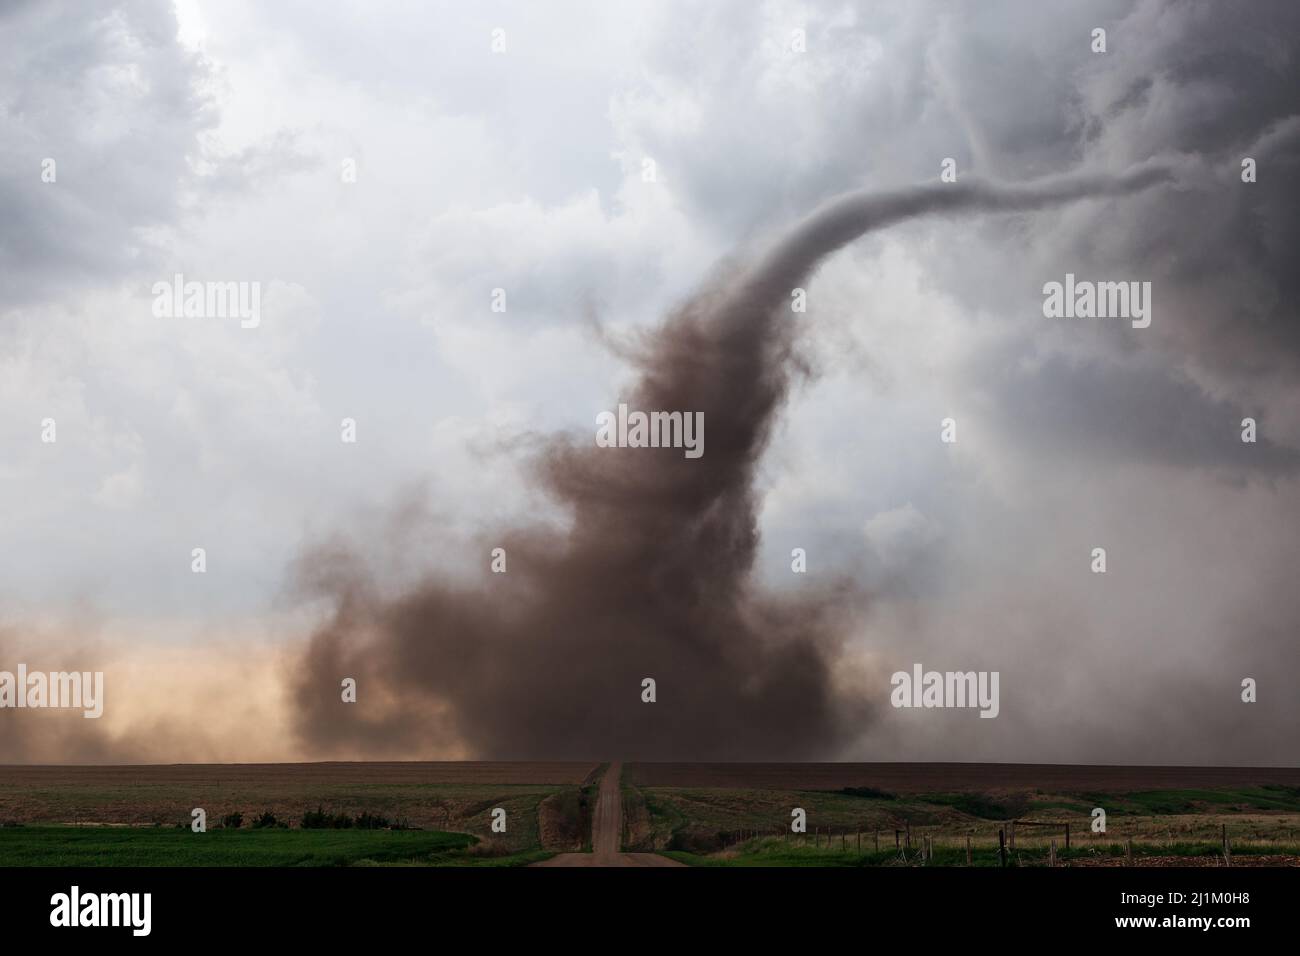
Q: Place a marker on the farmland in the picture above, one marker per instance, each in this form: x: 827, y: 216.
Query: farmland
x: 937, y: 777
x: 144, y: 812
x: 890, y: 814
x: 698, y: 814
x: 173, y: 846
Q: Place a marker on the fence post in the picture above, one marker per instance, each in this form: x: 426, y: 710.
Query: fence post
x: 968, y: 856
x: 896, y: 832
x: 1051, y: 859
x: 1067, y: 836
x: 1002, y: 846
x: 908, y: 824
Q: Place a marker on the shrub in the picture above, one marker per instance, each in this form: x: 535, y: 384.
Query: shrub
x: 268, y: 821
x: 316, y: 819
x: 233, y: 821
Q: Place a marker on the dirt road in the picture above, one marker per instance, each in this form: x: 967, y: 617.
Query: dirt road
x: 607, y: 832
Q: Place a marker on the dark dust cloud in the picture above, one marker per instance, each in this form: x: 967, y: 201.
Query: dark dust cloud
x: 653, y: 576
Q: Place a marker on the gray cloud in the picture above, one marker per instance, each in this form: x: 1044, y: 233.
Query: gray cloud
x: 1128, y: 412
x: 112, y: 98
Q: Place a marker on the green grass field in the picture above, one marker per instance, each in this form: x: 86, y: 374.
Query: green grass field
x: 441, y: 814
x: 453, y: 807
x: 173, y: 846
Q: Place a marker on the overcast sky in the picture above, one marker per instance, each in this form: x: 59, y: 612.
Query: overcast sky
x: 209, y: 139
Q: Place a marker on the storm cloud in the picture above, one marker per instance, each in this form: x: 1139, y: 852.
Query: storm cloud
x: 208, y: 140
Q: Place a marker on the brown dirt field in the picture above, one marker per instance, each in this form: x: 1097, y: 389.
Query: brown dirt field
x: 271, y: 774
x: 947, y: 777
x: 453, y: 796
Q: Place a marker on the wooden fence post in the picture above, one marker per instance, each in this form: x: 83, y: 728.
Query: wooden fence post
x: 1067, y: 836
x: 969, y: 861
x: 1002, y: 846
x: 1051, y: 857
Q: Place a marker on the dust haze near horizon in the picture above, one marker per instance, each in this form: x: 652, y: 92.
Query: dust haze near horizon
x: 207, y: 140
